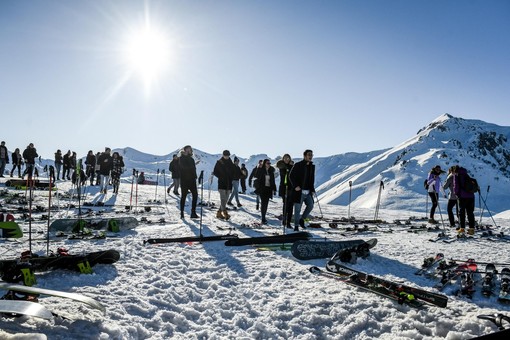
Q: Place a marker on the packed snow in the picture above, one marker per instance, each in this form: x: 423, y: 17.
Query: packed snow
x: 210, y: 291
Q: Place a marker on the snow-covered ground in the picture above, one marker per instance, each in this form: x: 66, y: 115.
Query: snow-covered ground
x: 210, y: 291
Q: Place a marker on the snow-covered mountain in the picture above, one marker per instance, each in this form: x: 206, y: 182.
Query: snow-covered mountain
x: 481, y: 147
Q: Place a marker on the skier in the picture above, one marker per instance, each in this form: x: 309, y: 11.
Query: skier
x: 176, y: 176
x: 266, y: 187
x: 284, y: 165
x: 17, y: 162
x: 29, y: 155
x: 188, y: 172
x: 244, y: 176
x: 224, y: 170
x: 58, y: 163
x: 466, y: 200
x: 434, y: 185
x: 90, y: 162
x: 235, y: 183
x: 117, y: 165
x: 4, y: 158
x: 302, y: 179
x: 105, y: 162
x: 253, y: 178
x: 452, y: 198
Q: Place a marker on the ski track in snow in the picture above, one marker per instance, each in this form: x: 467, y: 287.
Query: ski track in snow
x: 210, y: 291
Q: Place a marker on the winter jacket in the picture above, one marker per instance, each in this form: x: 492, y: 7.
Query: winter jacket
x: 458, y: 184
x: 58, y: 158
x: 16, y: 158
x: 448, y: 184
x: 29, y: 155
x: 434, y: 182
x: 187, y: 168
x: 224, y: 170
x: 175, y: 169
x: 105, y: 162
x: 266, y: 180
x: 4, y: 154
x: 302, y: 175
x: 284, y: 172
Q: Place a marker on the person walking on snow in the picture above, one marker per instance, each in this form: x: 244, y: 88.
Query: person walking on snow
x: 58, y: 163
x: 266, y: 188
x: 235, y: 184
x: 188, y: 173
x: 284, y: 165
x: 434, y: 186
x: 105, y: 162
x: 253, y: 178
x: 224, y: 171
x: 29, y: 155
x: 17, y: 162
x: 176, y: 175
x: 302, y: 179
x: 452, y: 198
x: 466, y: 200
x: 4, y: 158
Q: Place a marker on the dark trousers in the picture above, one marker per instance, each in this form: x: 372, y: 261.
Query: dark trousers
x: 467, y: 207
x: 434, y: 197
x: 243, y: 185
x: 264, y: 203
x: 288, y: 206
x: 451, y: 217
x: 190, y: 186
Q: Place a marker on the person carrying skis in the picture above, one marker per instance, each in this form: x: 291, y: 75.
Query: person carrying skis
x: 224, y: 171
x: 302, y: 179
x: 452, y: 198
x: 17, y: 162
x: 235, y: 184
x: 105, y: 162
x: 266, y: 187
x: 284, y: 165
x: 188, y: 172
x: 117, y: 165
x: 433, y: 188
x: 29, y: 155
x: 255, y: 181
x: 176, y: 175
x: 90, y: 162
x: 58, y: 163
x: 4, y: 158
x: 466, y: 197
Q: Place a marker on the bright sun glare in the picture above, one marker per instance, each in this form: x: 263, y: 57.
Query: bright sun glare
x: 147, y: 54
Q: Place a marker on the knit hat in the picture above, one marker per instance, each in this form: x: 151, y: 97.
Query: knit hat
x: 226, y: 153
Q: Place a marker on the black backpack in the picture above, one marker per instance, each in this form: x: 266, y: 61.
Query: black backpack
x: 470, y: 185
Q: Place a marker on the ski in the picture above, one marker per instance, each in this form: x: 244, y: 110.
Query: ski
x: 418, y: 293
x: 450, y: 274
x: 429, y: 263
x: 504, y: 292
x: 191, y: 239
x: 76, y: 225
x: 467, y: 280
x: 10, y: 229
x: 287, y: 238
x: 368, y: 283
x: 21, y: 307
x: 41, y: 291
x: 488, y: 282
x: 317, y: 249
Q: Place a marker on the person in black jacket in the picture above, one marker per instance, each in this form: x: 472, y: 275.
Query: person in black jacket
x: 29, y: 155
x: 17, y: 162
x: 90, y: 162
x: 66, y: 165
x: 244, y: 176
x: 105, y: 162
x: 235, y: 183
x: 253, y: 178
x: 58, y: 163
x: 4, y: 158
x: 117, y: 165
x: 266, y: 187
x: 302, y: 179
x: 284, y: 165
x: 224, y: 170
x: 176, y: 175
x: 188, y: 172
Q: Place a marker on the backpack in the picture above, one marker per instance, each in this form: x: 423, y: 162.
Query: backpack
x: 470, y: 185
x: 425, y: 185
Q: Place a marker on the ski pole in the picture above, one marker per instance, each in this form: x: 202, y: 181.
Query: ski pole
x: 157, y: 183
x: 48, y: 226
x: 350, y: 196
x: 164, y: 184
x: 376, y: 215
x: 485, y: 204
x: 201, y: 183
x: 131, y: 196
x: 482, y: 208
x: 318, y: 204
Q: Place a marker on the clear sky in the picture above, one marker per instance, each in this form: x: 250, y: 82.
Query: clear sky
x: 253, y: 77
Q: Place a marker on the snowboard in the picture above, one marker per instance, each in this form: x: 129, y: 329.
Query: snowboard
x: 311, y: 249
x: 23, y: 183
x: 69, y: 262
x: 21, y: 307
x: 76, y: 225
x: 10, y: 229
x: 73, y: 296
x: 288, y: 238
x: 191, y: 239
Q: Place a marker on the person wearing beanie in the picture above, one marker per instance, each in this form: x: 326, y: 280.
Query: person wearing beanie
x: 224, y: 171
x: 235, y: 184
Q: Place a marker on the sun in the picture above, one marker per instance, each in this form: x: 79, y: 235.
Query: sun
x: 147, y: 54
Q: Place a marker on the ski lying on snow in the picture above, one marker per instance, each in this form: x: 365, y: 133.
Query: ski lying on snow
x: 21, y: 307
x: 371, y: 280
x: 317, y: 249
x: 288, y: 238
x: 72, y: 296
x: 191, y: 239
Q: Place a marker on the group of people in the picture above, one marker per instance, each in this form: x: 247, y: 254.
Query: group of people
x: 461, y: 195
x: 296, y: 184
x: 27, y: 158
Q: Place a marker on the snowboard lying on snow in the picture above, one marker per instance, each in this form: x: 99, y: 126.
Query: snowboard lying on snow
x: 318, y: 249
x: 76, y: 225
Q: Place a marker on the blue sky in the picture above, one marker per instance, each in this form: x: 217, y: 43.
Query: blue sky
x: 253, y: 77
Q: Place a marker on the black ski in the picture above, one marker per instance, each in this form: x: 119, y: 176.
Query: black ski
x: 288, y: 238
x: 489, y: 280
x: 317, y: 249
x: 418, y: 293
x: 191, y: 239
x: 504, y: 292
x: 429, y: 263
